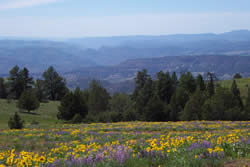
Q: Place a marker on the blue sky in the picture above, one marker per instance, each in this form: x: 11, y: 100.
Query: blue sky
x: 80, y: 18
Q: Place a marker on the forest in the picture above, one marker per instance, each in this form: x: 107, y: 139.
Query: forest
x: 166, y: 98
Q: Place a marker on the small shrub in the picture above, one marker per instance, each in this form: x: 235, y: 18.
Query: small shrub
x: 77, y: 119
x: 15, y: 122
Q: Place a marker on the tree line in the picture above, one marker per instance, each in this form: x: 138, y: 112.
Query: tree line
x: 166, y: 98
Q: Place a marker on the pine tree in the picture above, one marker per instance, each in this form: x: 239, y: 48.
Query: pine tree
x: 73, y: 106
x: 187, y: 81
x: 200, y: 83
x: 28, y: 101
x: 174, y: 79
x: 175, y: 109
x: 3, y: 90
x: 248, y: 99
x: 140, y: 81
x: 210, y: 84
x: 193, y: 108
x: 55, y: 84
x: 41, y: 91
x: 246, y: 113
x: 15, y: 122
x: 155, y: 110
x: 27, y: 80
x: 15, y: 82
x: 165, y: 86
x: 98, y: 99
x: 144, y: 96
x: 236, y: 95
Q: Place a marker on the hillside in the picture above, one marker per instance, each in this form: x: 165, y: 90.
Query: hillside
x: 45, y: 115
x: 243, y: 85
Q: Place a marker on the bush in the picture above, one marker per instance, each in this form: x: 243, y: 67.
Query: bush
x: 77, y: 119
x: 16, y: 122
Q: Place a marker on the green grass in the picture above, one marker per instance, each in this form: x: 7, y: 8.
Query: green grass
x: 45, y: 115
x: 242, y: 85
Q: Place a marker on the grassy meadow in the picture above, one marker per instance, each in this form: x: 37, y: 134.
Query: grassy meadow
x: 50, y: 143
x: 45, y: 115
x: 129, y: 144
x: 243, y: 85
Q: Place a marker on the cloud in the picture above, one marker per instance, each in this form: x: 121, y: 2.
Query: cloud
x: 15, y: 4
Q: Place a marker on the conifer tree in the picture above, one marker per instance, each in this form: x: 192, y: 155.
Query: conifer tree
x: 73, y: 106
x: 236, y: 95
x: 28, y: 101
x: 55, y: 84
x: 165, y: 86
x: 200, y: 83
x: 15, y: 122
x: 3, y: 90
x: 155, y: 110
x: 210, y: 84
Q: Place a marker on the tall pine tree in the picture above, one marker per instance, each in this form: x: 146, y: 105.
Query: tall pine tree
x: 236, y: 95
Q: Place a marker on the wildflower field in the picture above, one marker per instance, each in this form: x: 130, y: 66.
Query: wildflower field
x: 128, y: 144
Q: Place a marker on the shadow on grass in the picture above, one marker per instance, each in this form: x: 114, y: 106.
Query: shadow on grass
x: 31, y: 113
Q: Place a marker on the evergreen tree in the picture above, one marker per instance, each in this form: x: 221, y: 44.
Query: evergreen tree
x: 215, y: 108
x: 237, y: 76
x: 182, y: 96
x: 3, y: 90
x: 98, y: 98
x: 15, y: 82
x: 123, y: 106
x: 155, y: 110
x: 27, y: 80
x: 175, y: 109
x: 193, y: 108
x: 187, y: 81
x: 200, y: 83
x: 246, y: 113
x: 174, y: 79
x: 144, y: 96
x: 73, y: 106
x: 165, y: 86
x: 248, y: 99
x: 55, y: 84
x: 236, y: 95
x: 15, y: 122
x: 19, y: 80
x: 28, y: 101
x: 41, y: 91
x: 140, y: 81
x: 210, y: 84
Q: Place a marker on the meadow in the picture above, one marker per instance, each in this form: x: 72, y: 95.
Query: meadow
x: 129, y: 144
x: 242, y: 83
x: 45, y: 115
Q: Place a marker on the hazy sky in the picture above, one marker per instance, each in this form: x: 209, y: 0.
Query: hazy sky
x: 80, y: 18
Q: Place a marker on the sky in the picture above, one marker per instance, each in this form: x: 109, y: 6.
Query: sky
x: 84, y: 18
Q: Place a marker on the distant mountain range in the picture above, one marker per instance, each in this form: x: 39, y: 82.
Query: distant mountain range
x: 117, y: 59
x: 121, y: 77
